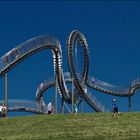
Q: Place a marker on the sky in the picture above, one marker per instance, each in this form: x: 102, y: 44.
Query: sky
x: 112, y: 31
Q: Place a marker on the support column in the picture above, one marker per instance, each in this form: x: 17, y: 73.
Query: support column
x: 81, y: 106
x: 62, y: 106
x: 129, y: 104
x: 6, y: 91
x: 56, y: 95
x: 72, y: 95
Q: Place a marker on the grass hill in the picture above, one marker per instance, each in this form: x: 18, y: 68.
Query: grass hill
x: 95, y: 126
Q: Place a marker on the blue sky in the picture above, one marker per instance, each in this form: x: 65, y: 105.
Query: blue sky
x: 111, y: 29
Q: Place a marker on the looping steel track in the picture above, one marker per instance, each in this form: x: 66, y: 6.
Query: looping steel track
x: 37, y: 44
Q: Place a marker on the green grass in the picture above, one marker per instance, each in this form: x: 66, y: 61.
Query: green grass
x: 94, y: 126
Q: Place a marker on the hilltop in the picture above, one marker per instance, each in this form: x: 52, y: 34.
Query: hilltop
x: 98, y: 126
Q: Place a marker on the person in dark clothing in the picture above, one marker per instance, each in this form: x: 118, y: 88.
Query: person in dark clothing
x: 115, y: 107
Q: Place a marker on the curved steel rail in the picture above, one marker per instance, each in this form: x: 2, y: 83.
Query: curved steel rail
x: 30, y: 47
x: 108, y: 88
x: 44, y: 86
x: 34, y: 45
x: 76, y: 36
x: 96, y: 84
x: 23, y: 105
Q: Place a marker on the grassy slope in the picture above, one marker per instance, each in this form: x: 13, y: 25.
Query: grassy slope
x: 70, y: 126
